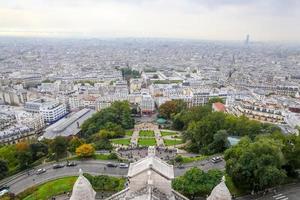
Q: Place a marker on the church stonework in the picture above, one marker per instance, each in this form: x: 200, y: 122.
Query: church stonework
x: 148, y: 178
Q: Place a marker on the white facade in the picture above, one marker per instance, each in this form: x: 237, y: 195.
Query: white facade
x: 53, y: 111
x: 147, y: 104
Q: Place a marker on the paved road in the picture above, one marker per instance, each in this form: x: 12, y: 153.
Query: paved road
x: 95, y: 167
x: 288, y: 192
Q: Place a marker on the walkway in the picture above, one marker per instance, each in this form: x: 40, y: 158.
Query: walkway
x: 158, y: 138
x: 134, y: 138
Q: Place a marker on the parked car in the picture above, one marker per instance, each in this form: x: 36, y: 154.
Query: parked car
x: 4, y: 187
x: 216, y: 159
x: 123, y: 165
x: 180, y: 167
x: 3, y: 192
x: 111, y: 165
x: 56, y: 166
x: 40, y: 171
x: 71, y: 164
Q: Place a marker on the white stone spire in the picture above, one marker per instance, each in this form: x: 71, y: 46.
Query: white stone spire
x: 220, y: 192
x: 82, y: 189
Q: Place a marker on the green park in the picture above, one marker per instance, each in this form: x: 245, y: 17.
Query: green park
x: 261, y: 152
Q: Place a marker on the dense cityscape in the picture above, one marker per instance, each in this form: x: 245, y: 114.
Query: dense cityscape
x: 149, y: 100
x: 109, y: 100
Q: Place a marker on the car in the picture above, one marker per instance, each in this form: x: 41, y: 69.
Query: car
x: 71, y: 164
x: 180, y: 167
x: 216, y: 159
x: 111, y: 165
x: 4, y: 187
x: 3, y: 192
x: 40, y: 171
x: 56, y: 166
x: 123, y: 165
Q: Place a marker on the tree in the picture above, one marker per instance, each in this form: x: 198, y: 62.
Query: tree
x: 103, y: 144
x: 185, y: 117
x: 170, y: 108
x: 119, y: 114
x: 114, y: 130
x: 195, y: 182
x: 25, y: 159
x: 255, y: 165
x: 22, y: 146
x: 113, y: 156
x: 59, y: 146
x: 129, y: 73
x: 201, y: 133
x: 24, y: 155
x: 38, y: 150
x: 179, y: 159
x: 290, y: 150
x: 74, y: 143
x: 127, y: 121
x: 3, y: 169
x: 9, y: 154
x: 85, y: 150
x: 215, y: 100
x: 105, y: 183
x: 220, y: 142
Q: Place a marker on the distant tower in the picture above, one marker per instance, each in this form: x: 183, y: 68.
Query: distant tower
x: 247, y: 39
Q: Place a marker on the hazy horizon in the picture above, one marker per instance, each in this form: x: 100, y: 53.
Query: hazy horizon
x: 221, y: 20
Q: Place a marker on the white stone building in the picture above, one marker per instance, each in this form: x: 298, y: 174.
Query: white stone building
x: 148, y: 179
x: 147, y: 104
x: 53, y: 111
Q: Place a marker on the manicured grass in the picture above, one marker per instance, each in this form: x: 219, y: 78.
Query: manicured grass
x: 52, y: 188
x: 101, y: 156
x: 95, y: 156
x: 147, y: 141
x: 146, y: 133
x: 172, y: 142
x: 129, y: 132
x: 123, y: 141
x: 193, y: 159
x: 167, y: 133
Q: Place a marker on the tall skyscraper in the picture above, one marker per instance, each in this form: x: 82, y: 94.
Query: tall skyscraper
x: 247, y: 39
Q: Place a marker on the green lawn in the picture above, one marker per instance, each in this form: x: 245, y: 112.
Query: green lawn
x: 192, y: 159
x: 129, y: 132
x: 172, y: 142
x: 111, y: 156
x: 147, y: 141
x: 167, y: 133
x: 123, y: 141
x: 95, y: 156
x: 52, y: 188
x: 146, y: 133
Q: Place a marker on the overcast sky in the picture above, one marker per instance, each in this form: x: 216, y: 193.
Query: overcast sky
x: 264, y: 20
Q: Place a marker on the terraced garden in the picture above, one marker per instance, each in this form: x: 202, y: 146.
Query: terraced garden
x: 122, y: 141
x: 172, y: 142
x: 146, y: 133
x: 168, y: 133
x: 147, y: 141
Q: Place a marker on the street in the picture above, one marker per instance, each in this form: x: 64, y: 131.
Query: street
x: 287, y: 192
x: 94, y: 167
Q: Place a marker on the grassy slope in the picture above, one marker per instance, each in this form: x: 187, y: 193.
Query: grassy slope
x: 172, y: 142
x: 52, y: 188
x: 124, y: 141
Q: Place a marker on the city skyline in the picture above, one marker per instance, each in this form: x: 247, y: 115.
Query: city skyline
x: 270, y: 20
